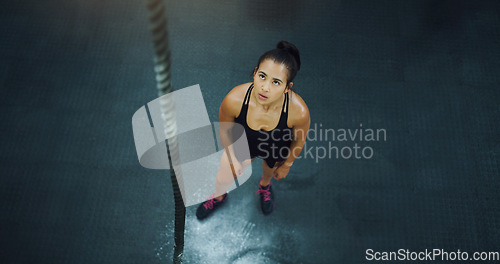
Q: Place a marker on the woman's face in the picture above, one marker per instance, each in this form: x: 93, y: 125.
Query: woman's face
x: 270, y: 81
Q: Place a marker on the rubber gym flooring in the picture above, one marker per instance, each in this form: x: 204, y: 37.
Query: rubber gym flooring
x: 424, y: 74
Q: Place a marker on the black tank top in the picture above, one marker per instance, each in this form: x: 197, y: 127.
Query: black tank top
x: 273, y: 145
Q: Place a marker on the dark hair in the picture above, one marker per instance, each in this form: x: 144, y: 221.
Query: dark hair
x: 287, y: 54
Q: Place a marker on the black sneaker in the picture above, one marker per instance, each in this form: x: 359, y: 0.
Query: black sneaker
x: 266, y: 198
x: 206, y: 208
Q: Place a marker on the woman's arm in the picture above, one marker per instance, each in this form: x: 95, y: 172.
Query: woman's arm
x: 300, y: 135
x: 300, y: 122
x: 228, y: 111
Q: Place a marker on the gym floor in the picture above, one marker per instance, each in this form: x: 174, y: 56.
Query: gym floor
x: 426, y: 73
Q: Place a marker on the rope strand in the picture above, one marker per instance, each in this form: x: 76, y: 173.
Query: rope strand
x: 158, y: 28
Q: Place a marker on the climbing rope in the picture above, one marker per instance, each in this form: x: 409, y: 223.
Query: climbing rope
x: 158, y: 27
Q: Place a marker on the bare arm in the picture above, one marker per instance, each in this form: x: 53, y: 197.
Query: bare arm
x: 300, y: 134
x: 229, y: 109
x: 226, y: 121
x: 300, y: 123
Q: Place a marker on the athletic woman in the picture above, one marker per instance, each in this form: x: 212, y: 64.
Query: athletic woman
x: 275, y: 120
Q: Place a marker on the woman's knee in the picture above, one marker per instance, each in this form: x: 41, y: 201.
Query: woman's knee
x: 266, y: 170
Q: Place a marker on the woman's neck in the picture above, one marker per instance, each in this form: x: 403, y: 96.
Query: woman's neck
x: 272, y: 105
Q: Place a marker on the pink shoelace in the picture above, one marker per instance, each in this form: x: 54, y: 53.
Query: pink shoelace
x: 210, y: 203
x: 265, y: 192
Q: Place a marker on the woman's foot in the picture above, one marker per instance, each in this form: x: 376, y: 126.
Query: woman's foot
x: 206, y: 208
x: 266, y: 198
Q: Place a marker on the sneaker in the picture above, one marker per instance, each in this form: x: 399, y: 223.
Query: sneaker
x: 206, y: 208
x: 266, y: 198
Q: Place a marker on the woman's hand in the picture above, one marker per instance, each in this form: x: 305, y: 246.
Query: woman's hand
x: 281, y: 172
x: 238, y: 168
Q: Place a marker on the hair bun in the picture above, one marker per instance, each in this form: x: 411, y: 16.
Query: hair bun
x: 290, y: 48
x: 285, y: 45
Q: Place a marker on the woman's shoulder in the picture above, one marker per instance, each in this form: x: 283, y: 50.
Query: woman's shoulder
x: 299, y: 112
x: 238, y: 92
x: 231, y: 104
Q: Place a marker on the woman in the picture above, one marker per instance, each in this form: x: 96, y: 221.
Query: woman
x: 275, y: 119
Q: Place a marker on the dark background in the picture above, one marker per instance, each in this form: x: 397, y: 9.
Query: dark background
x: 74, y: 72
